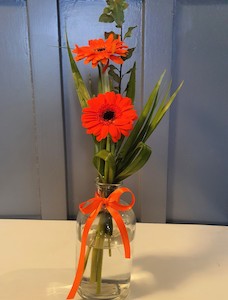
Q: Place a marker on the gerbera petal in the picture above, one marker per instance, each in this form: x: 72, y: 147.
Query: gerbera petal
x: 90, y: 124
x: 125, y: 132
x: 110, y: 97
x: 104, y: 61
x: 94, y: 130
x: 128, y: 126
x: 104, y: 131
x: 116, y: 59
x: 88, y: 59
x: 120, y: 121
x: 114, y: 132
x: 109, y: 39
x: 129, y: 114
x: 94, y: 65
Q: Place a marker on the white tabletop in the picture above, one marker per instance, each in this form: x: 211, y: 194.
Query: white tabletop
x: 171, y: 262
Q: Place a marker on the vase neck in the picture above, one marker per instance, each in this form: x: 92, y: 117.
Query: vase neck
x: 105, y: 189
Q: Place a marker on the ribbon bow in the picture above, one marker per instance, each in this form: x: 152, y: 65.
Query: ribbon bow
x: 93, y: 207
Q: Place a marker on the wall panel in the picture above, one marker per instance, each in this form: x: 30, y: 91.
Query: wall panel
x: 198, y: 147
x: 32, y: 174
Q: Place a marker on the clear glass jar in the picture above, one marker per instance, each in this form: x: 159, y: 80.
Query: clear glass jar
x: 107, y: 272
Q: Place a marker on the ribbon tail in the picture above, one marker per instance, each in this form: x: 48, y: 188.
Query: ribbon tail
x: 80, y: 268
x: 123, y: 231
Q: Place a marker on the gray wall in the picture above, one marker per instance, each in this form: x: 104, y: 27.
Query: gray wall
x: 198, y: 139
x: 32, y: 173
x: 186, y: 178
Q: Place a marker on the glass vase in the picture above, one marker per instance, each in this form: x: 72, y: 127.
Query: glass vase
x: 107, y: 272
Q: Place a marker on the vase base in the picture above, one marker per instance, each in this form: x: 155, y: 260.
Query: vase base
x: 110, y: 290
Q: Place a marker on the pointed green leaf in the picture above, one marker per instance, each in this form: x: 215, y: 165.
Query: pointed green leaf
x: 129, y: 54
x: 99, y: 80
x: 132, y: 139
x: 114, y: 75
x: 161, y: 112
x: 142, y: 156
x: 143, y: 134
x: 130, y: 89
x: 81, y: 89
x: 129, y: 32
x: 98, y: 146
x: 128, y: 72
x: 112, y: 67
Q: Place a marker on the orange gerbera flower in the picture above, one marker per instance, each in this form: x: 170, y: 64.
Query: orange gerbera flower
x: 109, y: 113
x: 101, y: 51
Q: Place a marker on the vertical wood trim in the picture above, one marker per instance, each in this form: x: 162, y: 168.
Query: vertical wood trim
x: 43, y: 37
x: 157, y: 57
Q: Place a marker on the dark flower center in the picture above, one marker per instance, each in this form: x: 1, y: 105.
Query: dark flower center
x: 100, y: 49
x: 108, y: 115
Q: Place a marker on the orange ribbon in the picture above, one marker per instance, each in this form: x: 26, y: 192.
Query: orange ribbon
x: 93, y: 207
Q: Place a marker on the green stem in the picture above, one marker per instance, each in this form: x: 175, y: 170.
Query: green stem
x: 121, y: 66
x: 104, y: 80
x: 99, y: 267
x: 104, y: 84
x: 96, y: 262
x: 106, y: 168
x: 120, y: 83
x: 101, y: 166
x: 97, y: 253
x: 87, y: 257
x: 109, y: 246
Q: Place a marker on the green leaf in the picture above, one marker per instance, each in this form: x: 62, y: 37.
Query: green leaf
x: 99, y: 80
x: 129, y: 54
x: 106, y: 10
x: 114, y: 75
x: 98, y: 146
x: 128, y: 72
x: 113, y: 67
x: 142, y: 154
x: 130, y: 92
x: 130, y: 89
x: 132, y: 139
x: 81, y: 89
x: 103, y: 81
x: 105, y: 18
x: 116, y: 89
x: 129, y: 32
x: 143, y: 134
x: 163, y: 108
x: 110, y: 165
x: 114, y: 12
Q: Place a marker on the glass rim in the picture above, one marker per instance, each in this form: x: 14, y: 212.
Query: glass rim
x: 107, y: 184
